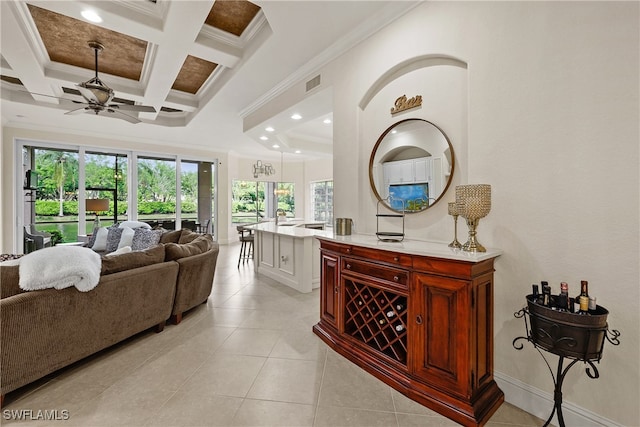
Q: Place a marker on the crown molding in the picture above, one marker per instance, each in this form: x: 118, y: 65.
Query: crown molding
x: 371, y: 26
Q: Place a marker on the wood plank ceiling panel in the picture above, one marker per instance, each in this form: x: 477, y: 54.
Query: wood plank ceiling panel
x: 66, y: 41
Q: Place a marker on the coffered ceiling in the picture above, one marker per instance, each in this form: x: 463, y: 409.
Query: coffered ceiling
x: 200, y: 64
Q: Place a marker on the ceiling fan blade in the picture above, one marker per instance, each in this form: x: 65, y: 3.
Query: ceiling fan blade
x: 87, y: 94
x: 137, y: 108
x: 77, y: 111
x: 50, y: 96
x: 117, y: 114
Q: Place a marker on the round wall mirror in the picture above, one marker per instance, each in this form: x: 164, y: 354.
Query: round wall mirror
x: 411, y: 166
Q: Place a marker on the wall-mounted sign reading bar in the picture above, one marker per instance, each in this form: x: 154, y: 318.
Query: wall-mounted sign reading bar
x: 402, y: 103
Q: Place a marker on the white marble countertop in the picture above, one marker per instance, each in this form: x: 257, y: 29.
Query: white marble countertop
x: 290, y: 228
x: 415, y: 247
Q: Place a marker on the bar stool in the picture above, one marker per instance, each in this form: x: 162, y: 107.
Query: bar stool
x: 246, y: 244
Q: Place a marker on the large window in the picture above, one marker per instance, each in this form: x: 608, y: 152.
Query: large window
x: 254, y: 201
x: 52, y: 201
x: 157, y: 191
x: 106, y: 178
x: 322, y: 201
x: 59, y: 177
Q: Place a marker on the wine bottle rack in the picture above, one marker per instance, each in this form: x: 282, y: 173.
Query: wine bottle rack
x: 377, y: 318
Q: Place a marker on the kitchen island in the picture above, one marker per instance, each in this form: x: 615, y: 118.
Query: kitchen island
x: 289, y: 252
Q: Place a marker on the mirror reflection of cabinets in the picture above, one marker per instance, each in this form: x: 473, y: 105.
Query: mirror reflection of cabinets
x: 411, y: 165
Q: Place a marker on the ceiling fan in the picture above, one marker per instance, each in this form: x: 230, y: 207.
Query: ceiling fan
x: 98, y: 96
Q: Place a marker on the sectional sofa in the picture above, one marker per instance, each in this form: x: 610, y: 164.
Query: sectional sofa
x: 42, y: 331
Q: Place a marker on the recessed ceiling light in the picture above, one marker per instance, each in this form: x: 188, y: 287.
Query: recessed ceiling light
x: 91, y: 16
x: 269, y: 129
x: 264, y: 138
x: 326, y: 121
x: 296, y: 116
x: 275, y: 146
x: 298, y: 151
x: 394, y: 131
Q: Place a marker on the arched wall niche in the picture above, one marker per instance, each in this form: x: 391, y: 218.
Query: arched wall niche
x: 405, y: 67
x: 441, y: 81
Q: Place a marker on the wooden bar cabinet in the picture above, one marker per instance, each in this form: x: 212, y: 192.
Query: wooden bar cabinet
x: 419, y: 319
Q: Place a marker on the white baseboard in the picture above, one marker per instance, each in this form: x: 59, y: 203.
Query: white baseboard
x: 540, y: 404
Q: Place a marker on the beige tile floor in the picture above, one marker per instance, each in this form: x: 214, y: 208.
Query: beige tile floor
x: 245, y: 358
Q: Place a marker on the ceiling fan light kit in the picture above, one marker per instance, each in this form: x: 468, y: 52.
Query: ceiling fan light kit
x: 98, y: 96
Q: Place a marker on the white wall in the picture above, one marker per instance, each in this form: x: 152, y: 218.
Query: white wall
x: 550, y: 120
x: 552, y: 92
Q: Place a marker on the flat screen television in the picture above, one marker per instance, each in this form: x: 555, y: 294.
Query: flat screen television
x: 414, y: 197
x: 31, y: 180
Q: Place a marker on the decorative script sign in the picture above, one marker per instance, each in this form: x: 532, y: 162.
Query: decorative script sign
x: 402, y: 103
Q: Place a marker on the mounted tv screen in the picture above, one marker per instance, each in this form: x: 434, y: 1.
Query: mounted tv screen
x: 31, y: 180
x: 414, y: 197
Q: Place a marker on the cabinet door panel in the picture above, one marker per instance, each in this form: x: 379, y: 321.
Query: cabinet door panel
x: 330, y: 291
x: 441, y: 333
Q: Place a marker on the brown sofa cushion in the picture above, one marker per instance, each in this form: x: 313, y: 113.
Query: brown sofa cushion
x: 9, y: 281
x: 187, y: 236
x: 170, y: 236
x: 200, y: 244
x: 117, y: 263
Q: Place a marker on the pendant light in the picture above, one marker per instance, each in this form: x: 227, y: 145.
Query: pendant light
x: 281, y: 191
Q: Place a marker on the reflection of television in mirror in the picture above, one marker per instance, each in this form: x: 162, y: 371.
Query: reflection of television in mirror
x: 415, y: 197
x: 31, y: 180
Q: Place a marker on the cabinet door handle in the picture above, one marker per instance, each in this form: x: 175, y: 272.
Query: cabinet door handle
x: 348, y: 266
x: 396, y: 278
x: 396, y: 259
x: 419, y: 319
x: 337, y: 289
x: 349, y: 250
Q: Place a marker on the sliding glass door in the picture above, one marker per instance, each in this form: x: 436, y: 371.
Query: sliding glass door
x: 64, y: 189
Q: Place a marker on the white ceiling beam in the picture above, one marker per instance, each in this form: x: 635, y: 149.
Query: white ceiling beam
x: 172, y: 50
x: 19, y: 53
x: 216, y: 51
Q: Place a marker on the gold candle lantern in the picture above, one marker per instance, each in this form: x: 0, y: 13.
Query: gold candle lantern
x: 454, y: 213
x: 472, y: 203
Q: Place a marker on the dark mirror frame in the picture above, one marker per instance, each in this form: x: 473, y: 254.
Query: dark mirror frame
x: 381, y: 139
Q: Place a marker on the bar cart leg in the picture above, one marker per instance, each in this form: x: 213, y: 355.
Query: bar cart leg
x: 557, y: 392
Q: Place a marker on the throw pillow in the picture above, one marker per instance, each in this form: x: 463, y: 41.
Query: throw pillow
x: 144, y: 238
x: 174, y: 252
x: 187, y: 236
x: 120, y: 251
x: 170, y: 236
x: 117, y: 263
x: 134, y: 224
x: 127, y: 237
x: 100, y: 240
x: 113, y: 239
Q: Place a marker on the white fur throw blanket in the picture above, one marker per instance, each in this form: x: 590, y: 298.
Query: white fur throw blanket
x: 60, y: 267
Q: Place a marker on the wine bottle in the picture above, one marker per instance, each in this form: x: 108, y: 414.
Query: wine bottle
x: 584, y: 288
x: 584, y: 305
x: 592, y: 305
x: 546, y: 295
x: 399, y: 328
x: 399, y: 307
x: 382, y: 321
x: 583, y: 298
x: 543, y: 285
x: 390, y: 313
x: 359, y: 302
x: 535, y: 292
x: 563, y: 297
